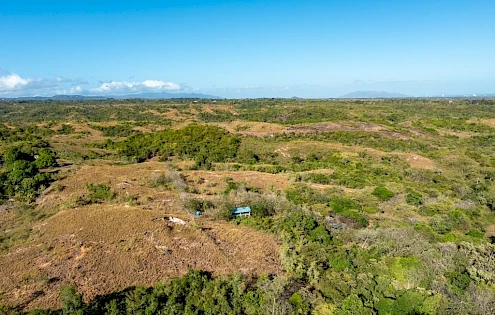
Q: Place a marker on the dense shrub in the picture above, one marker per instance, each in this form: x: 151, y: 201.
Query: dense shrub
x: 72, y: 303
x: 97, y: 193
x: 382, y: 193
x: 194, y: 205
x: 414, y: 198
x: 342, y: 204
x: 355, y: 216
x: 22, y: 178
x: 66, y: 130
x: 171, y: 179
x: 475, y: 233
x: 197, y: 292
x: 316, y: 178
x: 303, y: 194
x: 205, y: 144
x: 45, y: 159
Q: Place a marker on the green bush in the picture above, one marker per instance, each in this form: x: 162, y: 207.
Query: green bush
x: 382, y: 193
x: 45, y: 159
x: 355, y: 216
x: 202, y: 162
x: 316, y: 178
x: 459, y: 281
x: 194, y: 205
x: 205, y: 144
x: 414, y: 198
x: 231, y: 186
x: 475, y: 233
x: 262, y: 208
x: 22, y: 179
x: 97, y: 193
x: 340, y: 205
x: 303, y: 194
x: 72, y: 303
x: 442, y: 224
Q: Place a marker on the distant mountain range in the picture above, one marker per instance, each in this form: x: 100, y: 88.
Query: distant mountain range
x: 162, y: 95
x: 373, y: 94
x: 165, y: 95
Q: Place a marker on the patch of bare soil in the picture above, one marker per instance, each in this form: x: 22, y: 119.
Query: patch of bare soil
x: 72, y: 146
x: 283, y: 151
x: 414, y: 160
x: 330, y: 126
x: 414, y: 131
x: 488, y: 121
x: 320, y: 171
x: 418, y: 161
x: 325, y: 187
x: 490, y: 231
x: 459, y: 134
x: 249, y: 128
x: 210, y: 108
x: 171, y: 113
x: 216, y: 181
x: 95, y: 134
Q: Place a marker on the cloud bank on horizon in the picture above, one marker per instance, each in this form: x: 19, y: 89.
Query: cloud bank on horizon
x: 13, y: 85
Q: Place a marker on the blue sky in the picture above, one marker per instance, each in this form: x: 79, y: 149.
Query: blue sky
x: 247, y: 48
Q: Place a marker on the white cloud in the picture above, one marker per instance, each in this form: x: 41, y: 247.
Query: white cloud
x: 13, y: 82
x: 77, y: 89
x: 137, y: 87
x: 162, y: 85
x: 13, y: 85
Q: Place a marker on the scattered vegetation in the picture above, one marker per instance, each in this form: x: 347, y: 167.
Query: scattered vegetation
x: 381, y: 206
x: 97, y: 193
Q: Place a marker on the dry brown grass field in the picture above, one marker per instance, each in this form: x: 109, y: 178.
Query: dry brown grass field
x: 103, y: 248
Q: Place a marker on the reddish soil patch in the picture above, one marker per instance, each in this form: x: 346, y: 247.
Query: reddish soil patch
x: 418, y: 161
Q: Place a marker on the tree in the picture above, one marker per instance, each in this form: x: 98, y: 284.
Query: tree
x: 45, y: 159
x: 72, y: 303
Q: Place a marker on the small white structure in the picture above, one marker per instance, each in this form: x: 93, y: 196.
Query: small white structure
x: 175, y: 220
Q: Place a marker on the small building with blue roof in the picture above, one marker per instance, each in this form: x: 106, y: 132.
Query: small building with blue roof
x: 242, y: 211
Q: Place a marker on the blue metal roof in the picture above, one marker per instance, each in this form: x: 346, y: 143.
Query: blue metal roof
x: 241, y: 210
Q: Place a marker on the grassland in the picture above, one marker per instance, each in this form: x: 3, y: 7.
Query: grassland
x: 359, y: 206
